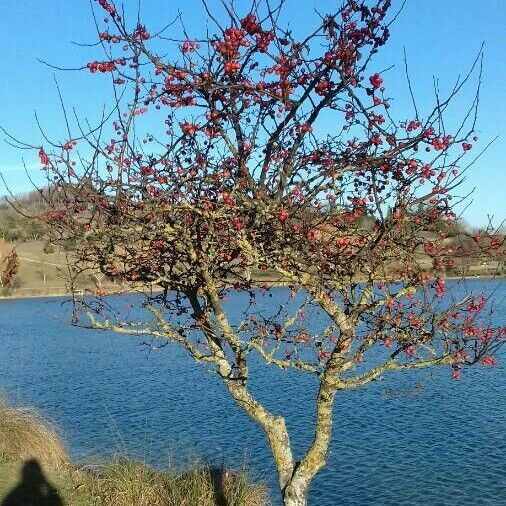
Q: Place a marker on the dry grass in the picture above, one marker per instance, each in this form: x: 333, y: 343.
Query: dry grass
x: 124, y: 482
x: 24, y: 435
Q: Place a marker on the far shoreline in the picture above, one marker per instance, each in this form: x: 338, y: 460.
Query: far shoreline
x: 270, y: 283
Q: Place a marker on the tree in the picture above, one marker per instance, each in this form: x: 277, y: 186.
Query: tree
x: 244, y: 180
x: 17, y: 226
x: 10, y: 266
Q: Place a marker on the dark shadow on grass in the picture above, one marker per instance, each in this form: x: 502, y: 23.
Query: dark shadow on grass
x: 218, y: 481
x: 33, y: 489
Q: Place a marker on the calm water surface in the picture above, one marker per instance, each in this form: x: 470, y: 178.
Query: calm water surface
x: 444, y: 446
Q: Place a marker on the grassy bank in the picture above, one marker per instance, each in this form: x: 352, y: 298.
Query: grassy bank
x: 44, y: 272
x: 35, y: 469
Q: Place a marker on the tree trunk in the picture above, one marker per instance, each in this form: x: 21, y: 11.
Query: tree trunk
x: 295, y: 493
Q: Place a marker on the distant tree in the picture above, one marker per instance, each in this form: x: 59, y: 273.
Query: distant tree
x: 241, y: 177
x: 10, y: 266
x: 17, y: 226
x: 48, y: 248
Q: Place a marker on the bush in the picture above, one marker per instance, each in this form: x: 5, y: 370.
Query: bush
x: 24, y: 435
x: 48, y: 248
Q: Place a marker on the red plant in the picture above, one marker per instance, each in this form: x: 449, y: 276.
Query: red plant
x: 10, y: 264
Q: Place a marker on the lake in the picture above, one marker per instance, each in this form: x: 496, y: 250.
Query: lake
x: 432, y: 441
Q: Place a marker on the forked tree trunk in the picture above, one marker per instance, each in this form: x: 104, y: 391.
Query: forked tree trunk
x: 294, y: 478
x: 295, y: 494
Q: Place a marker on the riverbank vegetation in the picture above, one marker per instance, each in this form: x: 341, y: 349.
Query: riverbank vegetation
x: 33, y: 459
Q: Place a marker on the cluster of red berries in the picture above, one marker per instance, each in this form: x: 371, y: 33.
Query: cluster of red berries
x: 263, y: 38
x: 441, y: 143
x: 475, y: 305
x: 106, y: 66
x: 440, y: 287
x: 284, y: 66
x: 147, y: 171
x: 189, y: 46
x: 71, y: 144
x: 250, y: 24
x: 375, y: 119
x: 44, y: 159
x: 283, y: 215
x: 107, y: 7
x: 305, y: 127
x: 413, y: 125
x: 376, y: 81
x: 410, y: 351
x: 376, y: 140
x: 238, y: 223
x: 141, y: 110
x: 324, y: 355
x: 109, y: 148
x: 322, y: 87
x: 232, y: 41
x: 107, y: 37
x: 231, y: 67
x: 189, y: 128
x: 141, y: 33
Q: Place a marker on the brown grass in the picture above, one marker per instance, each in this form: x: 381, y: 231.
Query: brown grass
x: 125, y: 482
x: 25, y: 435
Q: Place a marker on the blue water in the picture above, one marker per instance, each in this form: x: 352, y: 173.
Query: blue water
x: 445, y: 445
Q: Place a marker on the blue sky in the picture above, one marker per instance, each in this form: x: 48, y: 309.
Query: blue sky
x: 441, y: 39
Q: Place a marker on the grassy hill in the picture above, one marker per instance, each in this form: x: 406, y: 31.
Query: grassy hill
x: 43, y: 270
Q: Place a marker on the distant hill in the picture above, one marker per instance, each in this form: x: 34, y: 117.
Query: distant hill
x: 43, y: 270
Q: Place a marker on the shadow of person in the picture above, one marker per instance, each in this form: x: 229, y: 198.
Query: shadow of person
x: 33, y: 489
x: 218, y: 483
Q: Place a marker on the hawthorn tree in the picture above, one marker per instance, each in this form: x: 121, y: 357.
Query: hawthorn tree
x: 218, y: 172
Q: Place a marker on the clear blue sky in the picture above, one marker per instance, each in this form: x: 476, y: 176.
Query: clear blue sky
x: 441, y: 39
